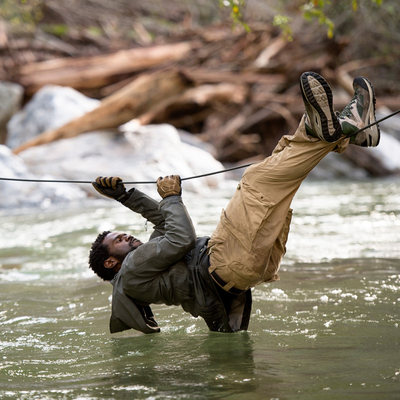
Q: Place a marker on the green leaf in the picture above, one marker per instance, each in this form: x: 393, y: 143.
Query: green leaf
x: 59, y: 30
x: 283, y: 23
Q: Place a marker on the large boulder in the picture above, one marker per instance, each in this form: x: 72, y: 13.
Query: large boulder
x: 388, y: 151
x: 11, y: 95
x: 50, y: 108
x: 391, y: 125
x: 134, y: 152
x: 15, y: 194
x: 139, y: 153
x: 335, y: 166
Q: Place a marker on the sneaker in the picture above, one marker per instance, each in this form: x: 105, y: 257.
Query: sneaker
x: 321, y: 121
x: 359, y: 113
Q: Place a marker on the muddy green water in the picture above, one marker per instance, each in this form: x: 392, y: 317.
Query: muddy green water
x: 329, y: 329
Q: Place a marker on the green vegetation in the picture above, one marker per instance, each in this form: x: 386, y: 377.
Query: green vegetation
x: 22, y: 13
x: 236, y: 7
x: 58, y: 30
x: 28, y: 14
x: 322, y: 11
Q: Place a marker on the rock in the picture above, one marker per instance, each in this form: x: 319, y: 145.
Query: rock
x: 138, y: 153
x: 335, y: 166
x: 30, y: 194
x: 10, y: 101
x: 391, y: 126
x: 193, y: 140
x: 50, y: 108
x: 388, y: 152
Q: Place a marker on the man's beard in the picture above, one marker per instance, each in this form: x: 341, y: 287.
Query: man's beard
x: 134, y: 243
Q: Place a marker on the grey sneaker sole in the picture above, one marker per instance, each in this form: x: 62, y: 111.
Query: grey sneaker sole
x: 318, y: 99
x: 373, y: 137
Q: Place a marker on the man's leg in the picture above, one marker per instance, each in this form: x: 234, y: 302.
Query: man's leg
x: 280, y: 174
x: 249, y: 241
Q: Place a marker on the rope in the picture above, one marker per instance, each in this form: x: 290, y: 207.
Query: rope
x: 124, y: 182
x: 183, y: 179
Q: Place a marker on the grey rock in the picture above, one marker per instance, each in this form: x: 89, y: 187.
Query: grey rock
x: 51, y: 107
x: 391, y: 126
x: 335, y: 166
x: 138, y: 153
x: 16, y: 194
x: 10, y: 102
x: 388, y: 151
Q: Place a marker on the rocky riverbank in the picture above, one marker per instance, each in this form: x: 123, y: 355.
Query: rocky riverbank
x: 133, y: 151
x: 88, y: 68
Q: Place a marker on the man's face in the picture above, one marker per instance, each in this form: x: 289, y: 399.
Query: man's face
x: 120, y: 244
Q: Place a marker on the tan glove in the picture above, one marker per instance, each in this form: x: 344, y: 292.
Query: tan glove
x: 169, y: 186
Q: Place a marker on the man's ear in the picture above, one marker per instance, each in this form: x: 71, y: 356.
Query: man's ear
x: 111, y: 262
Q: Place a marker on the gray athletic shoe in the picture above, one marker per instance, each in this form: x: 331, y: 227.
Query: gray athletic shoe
x: 321, y: 121
x: 359, y: 113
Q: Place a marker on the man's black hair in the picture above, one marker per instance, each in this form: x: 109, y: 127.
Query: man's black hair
x: 98, y: 254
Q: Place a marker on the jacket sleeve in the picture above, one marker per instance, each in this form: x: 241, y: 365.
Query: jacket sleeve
x: 148, y: 208
x: 158, y: 254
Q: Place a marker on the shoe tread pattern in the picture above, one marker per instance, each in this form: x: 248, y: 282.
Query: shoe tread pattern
x: 320, y: 98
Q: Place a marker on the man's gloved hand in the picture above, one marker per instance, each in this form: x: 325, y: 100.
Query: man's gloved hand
x: 169, y: 186
x: 111, y: 187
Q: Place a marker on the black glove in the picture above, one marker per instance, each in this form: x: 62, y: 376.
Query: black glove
x: 169, y: 186
x: 111, y: 187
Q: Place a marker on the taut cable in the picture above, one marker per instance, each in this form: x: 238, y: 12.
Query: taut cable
x: 183, y: 179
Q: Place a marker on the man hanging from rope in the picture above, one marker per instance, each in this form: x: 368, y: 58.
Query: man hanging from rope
x: 212, y: 277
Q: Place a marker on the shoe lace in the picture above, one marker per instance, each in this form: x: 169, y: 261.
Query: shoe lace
x: 347, y: 111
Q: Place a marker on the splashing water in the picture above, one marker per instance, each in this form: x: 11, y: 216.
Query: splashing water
x: 328, y: 329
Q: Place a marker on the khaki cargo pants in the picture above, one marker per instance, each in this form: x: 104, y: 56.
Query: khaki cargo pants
x: 250, y: 240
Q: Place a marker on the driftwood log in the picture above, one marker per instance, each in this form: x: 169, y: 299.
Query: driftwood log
x: 96, y: 71
x: 131, y: 101
x: 236, y: 90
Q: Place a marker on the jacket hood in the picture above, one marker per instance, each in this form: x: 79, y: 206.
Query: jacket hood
x: 129, y: 314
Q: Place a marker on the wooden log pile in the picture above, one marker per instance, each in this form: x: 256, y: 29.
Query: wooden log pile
x: 237, y: 90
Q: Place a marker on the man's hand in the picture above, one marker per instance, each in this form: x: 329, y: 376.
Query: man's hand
x: 169, y: 186
x: 111, y: 187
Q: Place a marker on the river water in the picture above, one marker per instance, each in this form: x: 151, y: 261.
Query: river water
x: 329, y: 329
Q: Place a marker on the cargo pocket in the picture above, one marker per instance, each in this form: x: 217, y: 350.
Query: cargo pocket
x: 245, y: 213
x: 277, y: 252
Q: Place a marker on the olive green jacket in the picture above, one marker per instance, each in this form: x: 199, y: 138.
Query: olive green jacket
x: 171, y: 268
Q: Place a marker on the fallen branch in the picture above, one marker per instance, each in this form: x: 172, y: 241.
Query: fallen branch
x: 273, y: 48
x: 133, y: 100
x: 343, y: 76
x: 199, y: 96
x: 97, y: 71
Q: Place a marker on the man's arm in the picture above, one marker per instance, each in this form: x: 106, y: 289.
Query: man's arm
x: 157, y: 255
x: 148, y: 208
x: 134, y: 199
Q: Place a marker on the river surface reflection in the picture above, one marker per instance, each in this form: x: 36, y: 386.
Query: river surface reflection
x: 329, y: 329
